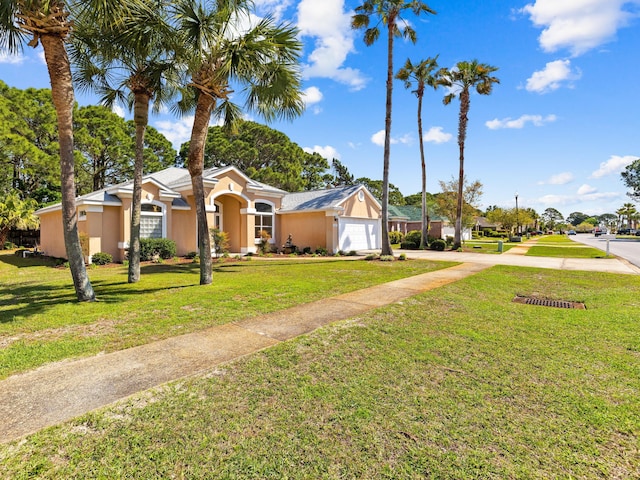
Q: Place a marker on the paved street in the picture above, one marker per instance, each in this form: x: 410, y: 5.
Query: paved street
x: 626, y: 248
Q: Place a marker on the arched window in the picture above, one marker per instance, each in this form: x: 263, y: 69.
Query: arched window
x: 264, y: 218
x: 151, y: 221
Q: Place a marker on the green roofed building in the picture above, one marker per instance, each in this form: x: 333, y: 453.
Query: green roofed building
x: 405, y: 218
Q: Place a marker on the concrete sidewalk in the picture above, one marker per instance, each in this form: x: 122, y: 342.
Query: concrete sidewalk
x: 61, y: 391
x: 518, y: 259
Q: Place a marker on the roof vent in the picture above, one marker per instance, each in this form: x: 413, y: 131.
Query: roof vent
x: 546, y: 302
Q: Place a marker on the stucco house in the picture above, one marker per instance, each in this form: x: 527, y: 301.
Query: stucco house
x: 344, y: 218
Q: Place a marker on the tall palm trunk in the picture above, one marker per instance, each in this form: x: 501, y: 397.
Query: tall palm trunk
x: 63, y: 99
x: 386, y: 244
x: 462, y: 135
x: 141, y: 119
x: 195, y: 164
x: 424, y: 217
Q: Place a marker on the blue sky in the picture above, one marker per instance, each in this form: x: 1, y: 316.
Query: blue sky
x: 557, y: 130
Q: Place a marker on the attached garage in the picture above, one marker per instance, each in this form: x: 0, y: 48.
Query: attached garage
x: 342, y: 218
x: 358, y: 234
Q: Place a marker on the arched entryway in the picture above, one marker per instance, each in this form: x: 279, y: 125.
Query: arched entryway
x: 228, y: 212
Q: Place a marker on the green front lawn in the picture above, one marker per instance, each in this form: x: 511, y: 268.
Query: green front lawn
x: 41, y: 322
x: 456, y: 383
x: 562, y: 246
x: 487, y: 245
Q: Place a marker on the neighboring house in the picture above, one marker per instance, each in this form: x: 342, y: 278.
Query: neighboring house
x: 482, y: 224
x: 406, y: 218
x: 346, y: 218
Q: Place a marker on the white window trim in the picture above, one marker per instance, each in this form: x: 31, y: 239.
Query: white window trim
x: 218, y: 213
x: 162, y: 213
x: 272, y: 240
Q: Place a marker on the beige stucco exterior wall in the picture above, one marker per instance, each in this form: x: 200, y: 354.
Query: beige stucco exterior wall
x: 307, y: 229
x: 353, y: 207
x: 111, y: 231
x: 238, y: 205
x: 51, y: 235
x: 183, y: 229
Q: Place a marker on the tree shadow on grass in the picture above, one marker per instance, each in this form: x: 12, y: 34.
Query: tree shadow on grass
x: 18, y: 261
x: 34, y: 297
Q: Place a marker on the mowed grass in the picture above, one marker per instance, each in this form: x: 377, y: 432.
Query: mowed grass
x: 456, y: 383
x: 41, y: 322
x: 561, y: 246
x: 487, y: 245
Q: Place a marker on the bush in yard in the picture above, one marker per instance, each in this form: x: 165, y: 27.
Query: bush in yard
x: 264, y: 247
x: 101, y: 258
x: 413, y: 236
x: 160, y: 247
x: 406, y: 245
x: 438, y: 245
x: 396, y: 237
x: 220, y: 241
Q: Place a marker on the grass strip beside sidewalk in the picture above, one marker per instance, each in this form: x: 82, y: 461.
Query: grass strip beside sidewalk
x: 458, y: 382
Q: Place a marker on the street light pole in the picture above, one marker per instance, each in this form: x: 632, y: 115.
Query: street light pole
x: 517, y: 219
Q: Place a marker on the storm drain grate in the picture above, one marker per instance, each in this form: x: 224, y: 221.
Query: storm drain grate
x: 545, y: 302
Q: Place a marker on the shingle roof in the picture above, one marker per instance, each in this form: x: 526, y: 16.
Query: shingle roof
x: 318, y: 199
x: 170, y: 176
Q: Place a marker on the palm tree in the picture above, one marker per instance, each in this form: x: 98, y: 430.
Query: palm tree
x: 136, y: 54
x: 462, y: 78
x: 50, y: 22
x: 219, y: 52
x: 629, y: 211
x: 389, y: 13
x: 424, y: 73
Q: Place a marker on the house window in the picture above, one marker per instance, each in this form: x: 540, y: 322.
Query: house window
x: 264, y: 218
x: 217, y: 216
x: 151, y: 221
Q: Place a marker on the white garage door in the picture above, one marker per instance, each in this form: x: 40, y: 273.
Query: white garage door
x: 358, y: 234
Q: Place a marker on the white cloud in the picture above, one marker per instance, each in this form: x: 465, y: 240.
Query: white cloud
x: 311, y: 97
x: 177, y: 132
x: 330, y: 26
x: 327, y: 151
x: 275, y: 8
x: 586, y: 190
x: 6, y: 58
x: 555, y: 200
x: 578, y: 25
x: 552, y: 77
x: 436, y: 135
x: 378, y: 139
x: 564, y: 200
x: 536, y: 120
x: 118, y: 110
x: 614, y: 165
x: 558, y: 179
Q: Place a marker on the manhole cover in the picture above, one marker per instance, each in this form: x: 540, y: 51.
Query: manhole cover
x: 545, y: 302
